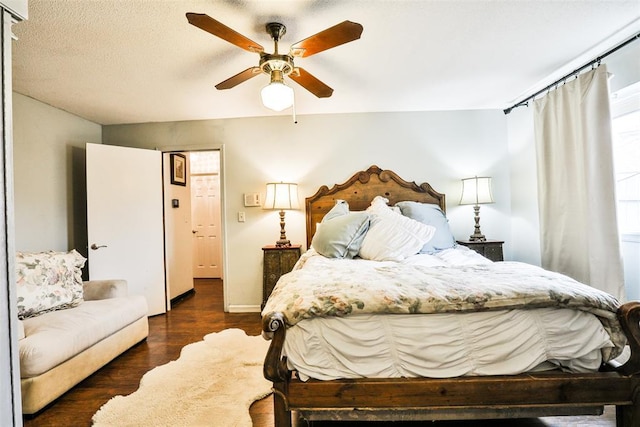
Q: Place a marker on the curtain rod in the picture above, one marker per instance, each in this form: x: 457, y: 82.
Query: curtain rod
x: 573, y: 73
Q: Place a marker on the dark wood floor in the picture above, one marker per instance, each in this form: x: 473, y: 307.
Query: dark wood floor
x: 189, y: 321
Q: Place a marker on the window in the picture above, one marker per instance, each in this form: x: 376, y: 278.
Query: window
x: 626, y: 146
x: 625, y: 107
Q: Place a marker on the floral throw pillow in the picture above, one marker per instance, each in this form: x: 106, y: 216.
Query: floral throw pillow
x: 48, y: 281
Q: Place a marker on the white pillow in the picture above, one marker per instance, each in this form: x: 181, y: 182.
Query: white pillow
x: 392, y: 236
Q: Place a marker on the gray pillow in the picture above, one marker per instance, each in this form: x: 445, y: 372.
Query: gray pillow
x: 340, y: 208
x: 432, y: 215
x: 340, y: 234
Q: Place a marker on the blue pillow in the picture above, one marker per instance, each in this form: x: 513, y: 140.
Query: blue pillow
x: 432, y: 215
x: 340, y: 234
x: 340, y: 208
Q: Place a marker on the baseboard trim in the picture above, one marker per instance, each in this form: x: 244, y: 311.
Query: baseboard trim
x: 244, y: 309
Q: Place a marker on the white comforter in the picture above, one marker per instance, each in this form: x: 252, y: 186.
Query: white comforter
x: 446, y: 345
x: 498, y: 342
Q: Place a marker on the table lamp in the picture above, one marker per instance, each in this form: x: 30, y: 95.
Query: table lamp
x: 281, y: 196
x: 476, y: 191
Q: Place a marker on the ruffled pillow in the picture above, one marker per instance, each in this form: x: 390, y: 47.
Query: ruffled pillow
x: 391, y: 236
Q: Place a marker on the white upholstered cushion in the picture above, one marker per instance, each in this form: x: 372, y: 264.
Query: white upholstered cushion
x: 54, y: 337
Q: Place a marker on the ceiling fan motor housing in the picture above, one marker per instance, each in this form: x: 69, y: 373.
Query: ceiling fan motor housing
x: 274, y: 62
x: 283, y: 64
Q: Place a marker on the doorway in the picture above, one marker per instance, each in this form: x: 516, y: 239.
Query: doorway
x: 206, y: 214
x: 193, y: 220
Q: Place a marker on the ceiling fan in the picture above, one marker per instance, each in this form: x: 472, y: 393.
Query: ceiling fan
x: 277, y: 95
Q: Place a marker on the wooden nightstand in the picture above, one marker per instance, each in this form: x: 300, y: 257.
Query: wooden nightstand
x: 491, y: 249
x: 278, y: 260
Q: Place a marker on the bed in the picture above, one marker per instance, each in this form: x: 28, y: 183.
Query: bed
x: 428, y: 372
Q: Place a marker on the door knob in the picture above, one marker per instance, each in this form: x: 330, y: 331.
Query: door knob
x: 194, y: 231
x: 96, y: 247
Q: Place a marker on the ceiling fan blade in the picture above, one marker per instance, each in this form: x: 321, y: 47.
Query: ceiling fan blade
x: 344, y: 32
x: 310, y: 83
x: 242, y: 76
x: 210, y: 25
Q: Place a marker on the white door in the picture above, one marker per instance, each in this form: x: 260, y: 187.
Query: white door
x: 177, y: 232
x: 205, y: 218
x: 125, y: 220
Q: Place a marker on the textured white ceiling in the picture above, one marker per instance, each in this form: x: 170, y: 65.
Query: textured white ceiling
x: 133, y: 61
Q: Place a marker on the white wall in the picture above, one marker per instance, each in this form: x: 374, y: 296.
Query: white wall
x: 525, y: 225
x: 624, y: 66
x: 50, y: 184
x: 437, y: 147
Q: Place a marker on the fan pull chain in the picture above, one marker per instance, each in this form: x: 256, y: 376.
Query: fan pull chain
x: 293, y: 107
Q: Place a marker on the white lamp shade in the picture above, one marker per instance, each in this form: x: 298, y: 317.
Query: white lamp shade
x: 277, y: 96
x: 476, y: 191
x: 281, y: 195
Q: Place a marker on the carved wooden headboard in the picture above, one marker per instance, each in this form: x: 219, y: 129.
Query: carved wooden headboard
x: 361, y: 188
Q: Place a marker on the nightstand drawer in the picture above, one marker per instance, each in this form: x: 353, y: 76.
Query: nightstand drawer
x: 491, y: 249
x: 494, y: 252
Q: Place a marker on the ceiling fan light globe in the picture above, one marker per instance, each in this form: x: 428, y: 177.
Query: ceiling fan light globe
x: 277, y: 96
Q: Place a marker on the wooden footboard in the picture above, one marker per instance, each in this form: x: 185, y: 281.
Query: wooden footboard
x: 403, y: 399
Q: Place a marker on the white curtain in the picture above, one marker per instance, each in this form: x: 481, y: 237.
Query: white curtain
x: 576, y: 183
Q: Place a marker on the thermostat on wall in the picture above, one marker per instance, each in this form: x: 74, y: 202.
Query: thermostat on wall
x: 252, y: 199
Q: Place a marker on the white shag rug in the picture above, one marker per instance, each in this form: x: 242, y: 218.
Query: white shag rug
x: 213, y: 382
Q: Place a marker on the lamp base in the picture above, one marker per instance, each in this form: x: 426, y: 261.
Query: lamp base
x: 283, y: 243
x: 477, y: 236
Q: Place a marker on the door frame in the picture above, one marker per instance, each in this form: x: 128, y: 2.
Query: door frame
x: 223, y: 209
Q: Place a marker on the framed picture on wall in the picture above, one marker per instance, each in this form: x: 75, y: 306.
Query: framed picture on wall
x: 178, y: 166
